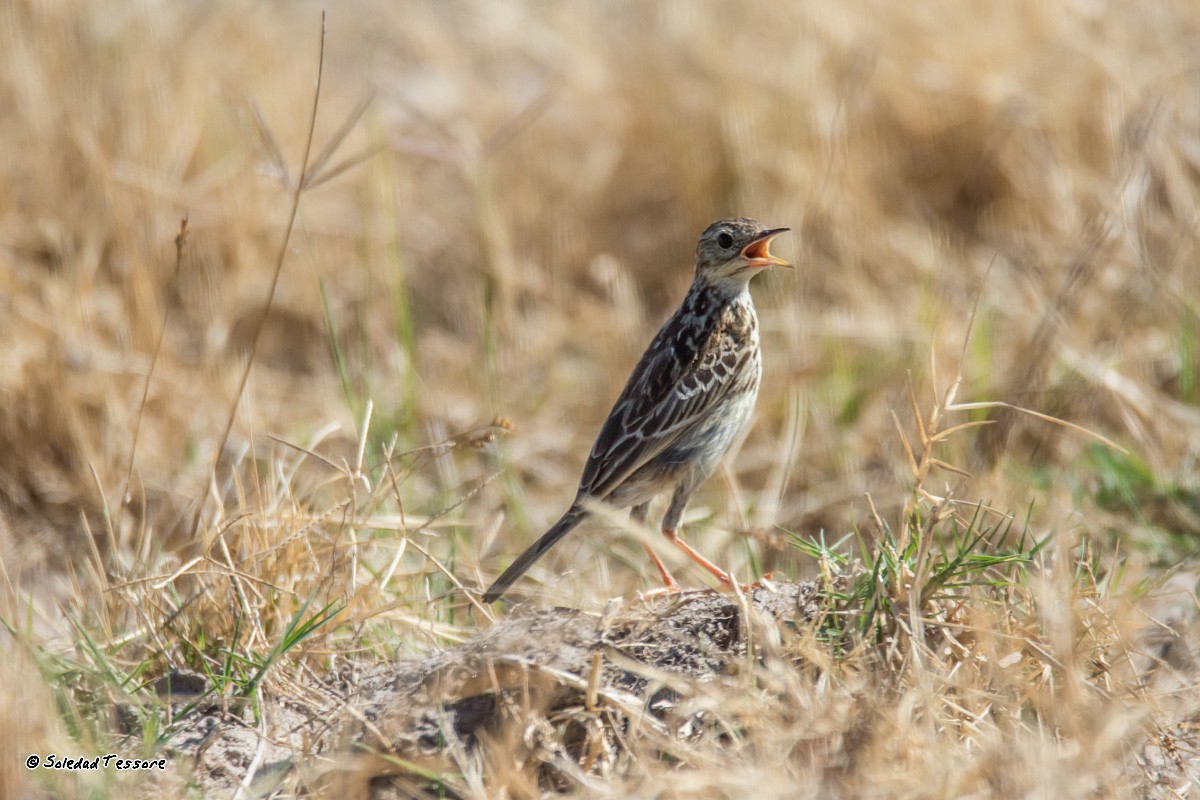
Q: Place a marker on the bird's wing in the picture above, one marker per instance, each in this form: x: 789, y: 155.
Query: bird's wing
x: 682, y: 375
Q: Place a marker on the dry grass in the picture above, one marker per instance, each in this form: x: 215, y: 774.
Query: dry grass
x: 500, y: 207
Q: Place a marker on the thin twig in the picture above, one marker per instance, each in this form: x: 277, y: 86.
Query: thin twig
x: 470, y: 595
x: 180, y: 242
x: 283, y: 248
x: 1046, y: 417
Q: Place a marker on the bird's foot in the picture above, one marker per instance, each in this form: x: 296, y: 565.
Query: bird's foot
x: 727, y: 581
x: 669, y: 582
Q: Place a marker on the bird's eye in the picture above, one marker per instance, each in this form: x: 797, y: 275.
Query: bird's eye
x: 725, y: 240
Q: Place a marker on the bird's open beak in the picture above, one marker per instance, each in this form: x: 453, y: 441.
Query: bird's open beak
x: 757, y: 253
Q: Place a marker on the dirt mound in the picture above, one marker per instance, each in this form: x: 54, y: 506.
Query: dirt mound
x: 556, y: 691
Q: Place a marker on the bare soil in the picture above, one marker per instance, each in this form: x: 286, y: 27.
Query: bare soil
x: 542, y: 681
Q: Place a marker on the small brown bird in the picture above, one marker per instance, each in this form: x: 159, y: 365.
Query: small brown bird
x: 689, y: 397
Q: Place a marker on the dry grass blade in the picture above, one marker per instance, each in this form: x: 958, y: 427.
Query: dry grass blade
x: 467, y: 593
x: 948, y: 432
x: 518, y: 122
x: 908, y: 451
x: 306, y: 451
x: 317, y: 172
x: 281, y: 256
x: 268, y: 142
x: 1044, y: 417
x: 343, y: 166
x: 592, y: 694
x: 937, y: 462
x: 960, y: 222
x: 934, y: 414
x: 180, y: 245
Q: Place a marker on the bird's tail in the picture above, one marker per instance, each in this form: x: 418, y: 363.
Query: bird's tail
x: 536, y: 551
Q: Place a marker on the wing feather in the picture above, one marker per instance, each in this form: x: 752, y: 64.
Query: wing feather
x: 681, y: 377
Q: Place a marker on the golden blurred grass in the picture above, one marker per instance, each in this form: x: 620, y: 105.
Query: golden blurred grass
x: 534, y: 177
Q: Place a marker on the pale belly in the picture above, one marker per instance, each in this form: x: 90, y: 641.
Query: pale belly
x: 692, y: 459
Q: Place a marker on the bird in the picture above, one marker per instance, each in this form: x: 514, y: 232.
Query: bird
x: 690, y: 396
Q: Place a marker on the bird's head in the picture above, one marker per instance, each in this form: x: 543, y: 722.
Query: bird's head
x: 735, y: 250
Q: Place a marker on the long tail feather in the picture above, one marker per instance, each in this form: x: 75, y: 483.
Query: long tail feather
x: 536, y: 551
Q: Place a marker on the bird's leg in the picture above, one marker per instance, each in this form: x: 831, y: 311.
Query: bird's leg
x: 716, y: 571
x: 670, y: 524
x: 638, y: 515
x: 669, y: 582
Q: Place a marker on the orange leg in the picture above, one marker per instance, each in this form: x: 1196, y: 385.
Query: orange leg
x: 638, y: 515
x: 669, y: 524
x: 724, y: 577
x: 713, y: 569
x: 669, y: 582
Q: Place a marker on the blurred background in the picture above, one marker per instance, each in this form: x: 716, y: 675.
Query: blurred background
x: 503, y: 204
x: 500, y: 207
